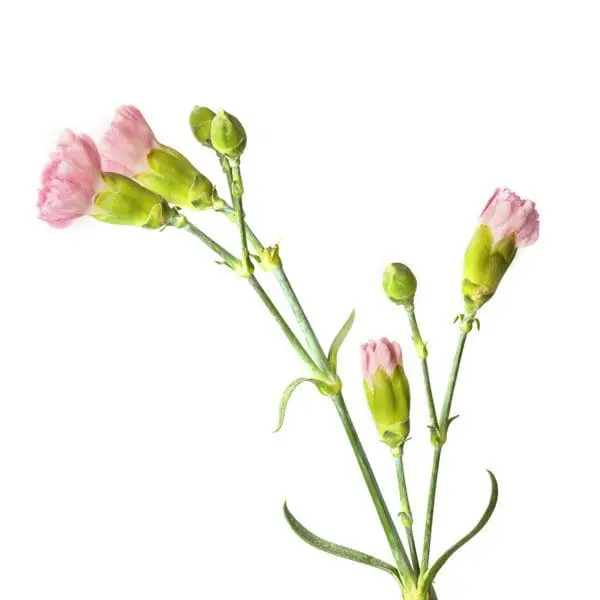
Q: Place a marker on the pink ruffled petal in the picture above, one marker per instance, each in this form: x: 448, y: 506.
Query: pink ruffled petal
x: 126, y: 144
x: 70, y: 181
x: 381, y: 354
x: 506, y: 213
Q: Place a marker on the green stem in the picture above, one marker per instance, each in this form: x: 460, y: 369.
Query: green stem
x: 234, y: 263
x: 320, y: 358
x: 441, y: 440
x: 421, y: 349
x: 233, y: 216
x: 447, y: 406
x: 228, y: 258
x: 291, y: 336
x: 406, y: 573
x: 406, y: 513
x: 236, y: 187
x: 302, y: 319
x: 437, y: 454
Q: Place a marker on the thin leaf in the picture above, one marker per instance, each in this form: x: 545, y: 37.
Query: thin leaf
x: 287, y: 394
x: 336, y: 549
x: 339, y: 340
x: 441, y: 561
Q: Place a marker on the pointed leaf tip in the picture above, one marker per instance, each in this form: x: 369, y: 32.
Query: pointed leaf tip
x: 336, y: 549
x: 332, y: 357
x: 287, y: 394
x: 489, y: 511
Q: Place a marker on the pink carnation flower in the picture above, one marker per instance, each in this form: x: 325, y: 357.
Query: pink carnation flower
x: 382, y: 354
x: 70, y: 181
x: 506, y: 213
x: 126, y: 144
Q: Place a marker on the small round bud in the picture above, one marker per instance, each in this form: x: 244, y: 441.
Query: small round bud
x: 200, y: 122
x: 227, y: 135
x: 399, y: 284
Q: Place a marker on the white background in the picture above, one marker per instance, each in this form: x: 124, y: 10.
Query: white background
x: 140, y: 382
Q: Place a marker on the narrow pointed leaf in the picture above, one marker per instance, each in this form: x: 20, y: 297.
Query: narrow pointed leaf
x: 287, y: 394
x: 434, y: 570
x: 339, y: 340
x: 336, y: 549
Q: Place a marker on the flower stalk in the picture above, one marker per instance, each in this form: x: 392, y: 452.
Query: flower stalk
x: 405, y: 511
x: 440, y: 439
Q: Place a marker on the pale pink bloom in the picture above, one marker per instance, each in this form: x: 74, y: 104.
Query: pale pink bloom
x: 126, y: 144
x: 382, y: 354
x: 506, y: 213
x: 70, y: 181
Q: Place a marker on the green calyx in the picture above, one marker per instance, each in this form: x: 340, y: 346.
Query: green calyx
x: 389, y: 401
x: 399, y: 284
x: 227, y: 135
x: 200, y: 121
x: 485, y: 264
x: 175, y: 178
x: 125, y: 202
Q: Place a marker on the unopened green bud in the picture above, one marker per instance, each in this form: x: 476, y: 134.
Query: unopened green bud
x: 387, y: 390
x: 399, y: 284
x: 200, y: 122
x: 125, y: 202
x: 174, y: 177
x: 227, y: 135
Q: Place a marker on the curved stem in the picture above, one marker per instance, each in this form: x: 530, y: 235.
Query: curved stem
x: 422, y: 353
x: 406, y: 514
x: 400, y: 556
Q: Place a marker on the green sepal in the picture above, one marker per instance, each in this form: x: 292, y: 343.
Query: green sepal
x: 175, y: 178
x: 289, y: 390
x: 200, y: 121
x: 126, y: 202
x: 336, y: 549
x: 485, y: 265
x: 339, y: 340
x: 171, y: 164
x: 428, y: 577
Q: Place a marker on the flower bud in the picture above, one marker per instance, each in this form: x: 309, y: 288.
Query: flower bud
x: 399, y: 284
x: 387, y: 390
x: 227, y: 135
x: 506, y: 224
x: 130, y: 148
x: 200, y: 122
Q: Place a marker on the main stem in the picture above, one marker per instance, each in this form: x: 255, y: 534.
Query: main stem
x: 383, y: 512
x: 406, y: 573
x: 406, y: 514
x: 437, y: 453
